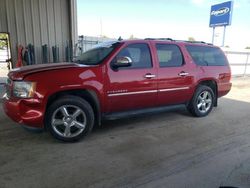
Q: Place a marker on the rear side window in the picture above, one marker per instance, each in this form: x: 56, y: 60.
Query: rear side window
x: 169, y: 55
x: 140, y: 55
x: 207, y: 56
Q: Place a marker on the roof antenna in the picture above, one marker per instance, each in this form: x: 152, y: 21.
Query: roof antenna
x: 120, y: 38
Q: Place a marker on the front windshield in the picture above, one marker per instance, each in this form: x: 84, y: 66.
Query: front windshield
x: 96, y: 55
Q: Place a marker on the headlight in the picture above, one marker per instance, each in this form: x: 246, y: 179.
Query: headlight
x: 24, y: 89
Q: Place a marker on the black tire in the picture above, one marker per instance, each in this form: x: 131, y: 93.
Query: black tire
x: 199, y: 107
x: 69, y: 118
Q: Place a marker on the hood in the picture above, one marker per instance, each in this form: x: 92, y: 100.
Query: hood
x: 20, y: 73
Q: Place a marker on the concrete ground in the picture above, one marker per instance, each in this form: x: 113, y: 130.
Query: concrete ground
x: 170, y: 149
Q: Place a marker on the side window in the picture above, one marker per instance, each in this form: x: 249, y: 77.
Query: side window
x: 169, y: 55
x: 140, y: 55
x: 207, y: 56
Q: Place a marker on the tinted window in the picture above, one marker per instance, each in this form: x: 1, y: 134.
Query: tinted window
x: 207, y: 56
x: 169, y: 55
x: 140, y: 55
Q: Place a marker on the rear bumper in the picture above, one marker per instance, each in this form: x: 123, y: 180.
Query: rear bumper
x: 28, y: 112
x: 224, y: 88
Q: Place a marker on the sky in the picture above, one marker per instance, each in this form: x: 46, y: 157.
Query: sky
x: 176, y: 19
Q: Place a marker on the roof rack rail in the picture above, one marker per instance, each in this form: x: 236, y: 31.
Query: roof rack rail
x: 202, y: 42
x: 159, y: 39
x: 169, y: 39
x: 195, y: 42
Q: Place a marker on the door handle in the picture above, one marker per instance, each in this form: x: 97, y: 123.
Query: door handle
x: 182, y: 73
x: 148, y: 76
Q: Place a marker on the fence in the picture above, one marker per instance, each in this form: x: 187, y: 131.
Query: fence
x: 239, y: 61
x: 87, y: 42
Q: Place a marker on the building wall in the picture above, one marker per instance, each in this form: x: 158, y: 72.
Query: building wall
x: 38, y: 22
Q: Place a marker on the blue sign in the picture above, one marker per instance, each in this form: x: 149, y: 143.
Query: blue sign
x: 221, y: 14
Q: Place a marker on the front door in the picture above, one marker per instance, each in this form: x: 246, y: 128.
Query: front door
x: 133, y: 87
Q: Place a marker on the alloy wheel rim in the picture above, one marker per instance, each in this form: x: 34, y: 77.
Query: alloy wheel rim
x: 204, y: 102
x: 69, y: 121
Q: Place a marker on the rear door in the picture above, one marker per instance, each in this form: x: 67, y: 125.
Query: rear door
x: 175, y: 76
x: 132, y: 87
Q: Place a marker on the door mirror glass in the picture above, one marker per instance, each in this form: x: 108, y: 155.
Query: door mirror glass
x: 123, y: 61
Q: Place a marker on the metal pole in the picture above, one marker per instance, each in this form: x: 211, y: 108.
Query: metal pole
x: 223, y: 40
x: 213, y: 35
x: 8, y: 53
x: 245, y: 71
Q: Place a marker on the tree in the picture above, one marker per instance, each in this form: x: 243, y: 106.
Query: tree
x: 191, y: 39
x: 248, y: 47
x: 3, y: 40
x: 104, y: 36
x: 131, y: 37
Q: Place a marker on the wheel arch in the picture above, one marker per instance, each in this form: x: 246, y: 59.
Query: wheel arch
x: 89, y: 95
x: 213, y: 85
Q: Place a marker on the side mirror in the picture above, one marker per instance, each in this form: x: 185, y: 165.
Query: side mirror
x: 123, y: 61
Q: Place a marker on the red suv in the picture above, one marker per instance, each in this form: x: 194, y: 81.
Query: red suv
x: 116, y: 79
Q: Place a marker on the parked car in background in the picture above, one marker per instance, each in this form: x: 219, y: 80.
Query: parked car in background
x: 117, y: 78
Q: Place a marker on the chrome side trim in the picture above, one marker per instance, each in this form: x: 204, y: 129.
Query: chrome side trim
x: 149, y: 91
x: 132, y: 93
x: 173, y: 89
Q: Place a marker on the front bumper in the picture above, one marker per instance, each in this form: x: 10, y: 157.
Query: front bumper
x: 29, y: 112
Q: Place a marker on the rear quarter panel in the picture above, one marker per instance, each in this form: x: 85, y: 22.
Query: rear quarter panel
x: 220, y: 74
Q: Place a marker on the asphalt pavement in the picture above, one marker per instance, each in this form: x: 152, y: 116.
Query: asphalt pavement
x: 169, y: 149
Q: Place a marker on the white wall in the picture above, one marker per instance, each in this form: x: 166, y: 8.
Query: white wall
x: 239, y: 61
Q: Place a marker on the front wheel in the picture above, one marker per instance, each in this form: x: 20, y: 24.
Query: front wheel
x: 202, y: 102
x: 70, y: 118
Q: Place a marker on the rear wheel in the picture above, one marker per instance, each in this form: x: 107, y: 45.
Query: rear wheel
x: 202, y: 102
x: 70, y: 118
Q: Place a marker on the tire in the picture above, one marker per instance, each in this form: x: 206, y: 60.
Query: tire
x: 69, y: 118
x: 202, y: 102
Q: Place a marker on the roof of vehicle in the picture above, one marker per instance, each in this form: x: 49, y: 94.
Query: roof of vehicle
x: 168, y: 40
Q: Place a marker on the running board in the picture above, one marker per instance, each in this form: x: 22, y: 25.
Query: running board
x: 138, y: 112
